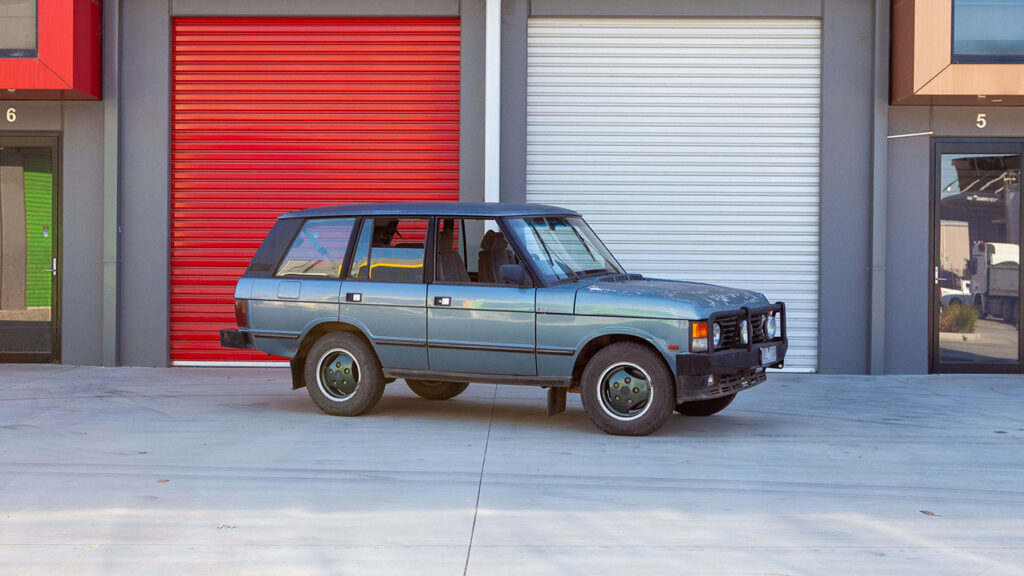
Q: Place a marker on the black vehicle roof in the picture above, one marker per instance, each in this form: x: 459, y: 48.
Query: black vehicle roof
x: 480, y: 209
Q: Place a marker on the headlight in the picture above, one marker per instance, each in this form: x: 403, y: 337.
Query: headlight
x: 716, y: 336
x: 771, y: 327
x: 744, y: 332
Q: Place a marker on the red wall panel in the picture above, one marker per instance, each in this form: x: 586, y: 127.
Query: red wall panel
x: 270, y: 115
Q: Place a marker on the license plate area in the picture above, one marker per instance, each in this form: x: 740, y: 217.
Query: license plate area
x: 769, y: 355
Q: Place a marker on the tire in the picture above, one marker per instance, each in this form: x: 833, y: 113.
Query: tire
x: 343, y: 375
x: 982, y: 313
x: 955, y: 302
x: 705, y: 407
x: 436, y: 389
x: 643, y: 375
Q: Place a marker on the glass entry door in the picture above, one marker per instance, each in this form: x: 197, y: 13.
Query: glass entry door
x: 28, y: 255
x: 976, y: 257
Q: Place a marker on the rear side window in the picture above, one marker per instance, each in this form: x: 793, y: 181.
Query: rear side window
x: 390, y: 250
x: 273, y: 247
x: 318, y: 249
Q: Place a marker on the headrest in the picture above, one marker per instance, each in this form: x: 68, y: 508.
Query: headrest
x: 499, y: 242
x: 493, y: 241
x: 445, y: 238
x: 485, y: 244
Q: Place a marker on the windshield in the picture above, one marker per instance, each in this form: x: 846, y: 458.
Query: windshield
x: 563, y: 247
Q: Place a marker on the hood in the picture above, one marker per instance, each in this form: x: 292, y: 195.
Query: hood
x: 652, y: 298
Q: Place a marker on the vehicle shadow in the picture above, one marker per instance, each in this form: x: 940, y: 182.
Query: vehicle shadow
x: 525, y: 410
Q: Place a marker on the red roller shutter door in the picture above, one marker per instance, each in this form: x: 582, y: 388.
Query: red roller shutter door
x: 270, y: 115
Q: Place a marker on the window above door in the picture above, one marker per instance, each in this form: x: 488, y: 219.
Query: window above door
x: 957, y: 52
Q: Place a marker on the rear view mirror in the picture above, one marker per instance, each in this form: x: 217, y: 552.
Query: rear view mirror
x: 512, y: 274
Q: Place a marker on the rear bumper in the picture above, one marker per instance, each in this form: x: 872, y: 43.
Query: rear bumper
x: 235, y: 339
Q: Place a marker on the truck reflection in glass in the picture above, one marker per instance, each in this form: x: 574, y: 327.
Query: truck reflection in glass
x: 444, y: 294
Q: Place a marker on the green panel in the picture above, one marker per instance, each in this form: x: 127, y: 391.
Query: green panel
x: 38, y: 226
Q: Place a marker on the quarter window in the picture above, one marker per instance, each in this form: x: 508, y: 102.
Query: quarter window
x: 390, y: 250
x: 319, y: 249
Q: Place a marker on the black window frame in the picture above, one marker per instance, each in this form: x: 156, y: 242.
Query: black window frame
x: 940, y: 147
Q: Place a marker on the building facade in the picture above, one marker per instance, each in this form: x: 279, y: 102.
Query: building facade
x: 753, y: 144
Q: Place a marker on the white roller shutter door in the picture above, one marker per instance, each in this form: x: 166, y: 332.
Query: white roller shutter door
x: 692, y: 146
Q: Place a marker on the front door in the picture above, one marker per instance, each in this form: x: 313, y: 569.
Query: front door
x: 475, y: 324
x: 976, y: 254
x: 28, y: 252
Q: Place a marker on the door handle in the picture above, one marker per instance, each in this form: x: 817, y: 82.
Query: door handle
x: 442, y: 301
x: 353, y: 297
x: 53, y: 270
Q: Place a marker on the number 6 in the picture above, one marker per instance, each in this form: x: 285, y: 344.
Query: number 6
x: 12, y: 114
x: 982, y: 121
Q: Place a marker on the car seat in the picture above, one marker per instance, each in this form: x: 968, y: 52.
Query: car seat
x: 450, y: 267
x: 493, y: 254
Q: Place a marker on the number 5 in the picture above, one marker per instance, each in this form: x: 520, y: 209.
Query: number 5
x: 982, y: 121
x: 12, y: 114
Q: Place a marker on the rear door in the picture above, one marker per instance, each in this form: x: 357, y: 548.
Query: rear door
x: 384, y: 293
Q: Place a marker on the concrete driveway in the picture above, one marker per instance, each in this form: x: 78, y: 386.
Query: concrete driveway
x: 227, y: 471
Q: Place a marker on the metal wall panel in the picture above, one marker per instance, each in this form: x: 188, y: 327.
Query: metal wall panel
x: 691, y: 145
x: 271, y: 115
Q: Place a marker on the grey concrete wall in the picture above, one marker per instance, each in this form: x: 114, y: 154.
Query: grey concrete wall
x: 846, y: 111
x: 472, y: 76
x: 909, y: 277
x: 144, y: 179
x: 512, y: 177
x: 82, y: 234
x: 906, y: 288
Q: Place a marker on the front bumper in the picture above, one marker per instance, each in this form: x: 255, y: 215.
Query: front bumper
x: 706, y: 376
x: 731, y: 362
x: 701, y: 376
x: 235, y: 339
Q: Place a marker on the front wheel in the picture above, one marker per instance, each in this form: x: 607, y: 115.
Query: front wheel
x: 436, y: 389
x: 343, y: 375
x: 705, y: 407
x: 627, y: 390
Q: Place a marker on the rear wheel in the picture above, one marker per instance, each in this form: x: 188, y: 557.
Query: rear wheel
x: 705, y: 407
x: 436, y: 389
x: 342, y: 375
x: 627, y: 390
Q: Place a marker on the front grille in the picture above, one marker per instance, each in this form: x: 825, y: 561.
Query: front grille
x: 731, y: 331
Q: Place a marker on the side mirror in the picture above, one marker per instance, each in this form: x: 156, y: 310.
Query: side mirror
x: 512, y: 274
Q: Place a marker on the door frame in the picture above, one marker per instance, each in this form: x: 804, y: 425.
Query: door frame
x: 940, y: 146
x: 51, y: 140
